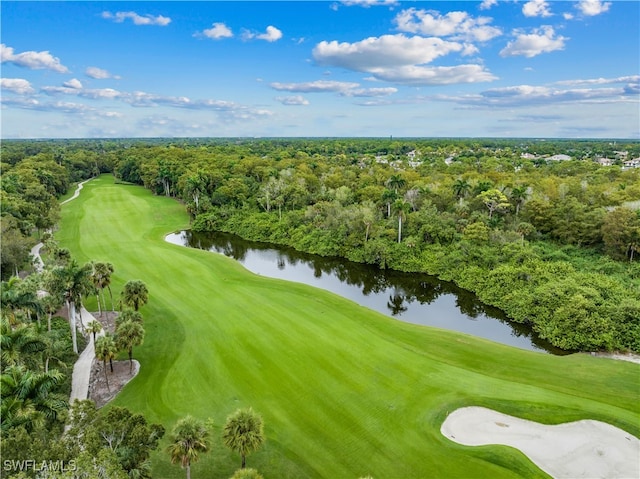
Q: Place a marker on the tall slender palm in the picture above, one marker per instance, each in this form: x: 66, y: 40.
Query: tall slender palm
x: 195, y: 186
x: 134, y: 294
x: 94, y: 327
x: 55, y: 346
x: 101, y: 279
x: 244, y: 432
x: 401, y: 207
x: 128, y: 335
x: 389, y: 196
x: 189, y: 438
x: 105, y: 348
x: 519, y: 195
x: 72, y: 281
x: 396, y: 182
x: 51, y: 303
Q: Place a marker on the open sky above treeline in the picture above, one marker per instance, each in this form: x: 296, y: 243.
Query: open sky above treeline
x: 374, y: 68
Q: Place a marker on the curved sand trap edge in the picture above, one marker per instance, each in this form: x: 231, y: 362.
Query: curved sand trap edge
x: 581, y: 449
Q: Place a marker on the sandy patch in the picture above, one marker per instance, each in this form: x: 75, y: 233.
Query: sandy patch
x: 581, y: 449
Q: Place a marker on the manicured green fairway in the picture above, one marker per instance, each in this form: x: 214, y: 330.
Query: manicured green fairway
x: 344, y: 392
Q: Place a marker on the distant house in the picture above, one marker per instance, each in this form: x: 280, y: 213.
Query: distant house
x: 635, y: 163
x: 559, y: 158
x: 449, y: 160
x: 412, y: 154
x: 528, y: 156
x: 604, y: 161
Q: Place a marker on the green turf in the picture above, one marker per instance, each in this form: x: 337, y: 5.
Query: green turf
x: 344, y: 391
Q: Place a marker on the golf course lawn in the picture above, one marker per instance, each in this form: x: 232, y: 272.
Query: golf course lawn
x: 344, y: 391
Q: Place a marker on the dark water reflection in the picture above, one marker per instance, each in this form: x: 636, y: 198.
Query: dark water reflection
x: 411, y: 297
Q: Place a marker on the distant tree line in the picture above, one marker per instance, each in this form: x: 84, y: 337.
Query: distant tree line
x: 552, y: 243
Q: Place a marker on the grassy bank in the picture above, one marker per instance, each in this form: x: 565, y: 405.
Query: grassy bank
x: 344, y: 391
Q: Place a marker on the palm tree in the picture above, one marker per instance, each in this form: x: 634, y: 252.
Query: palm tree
x: 401, y: 207
x: 128, y: 315
x: 134, y: 294
x: 55, y: 345
x: 101, y: 278
x: 106, y: 350
x: 27, y: 397
x: 72, y: 281
x: 20, y: 344
x: 128, y: 335
x: 461, y: 188
x: 396, y: 182
x: 94, y: 327
x: 243, y: 433
x: 525, y: 229
x: 17, y: 300
x: 389, y: 196
x: 519, y: 195
x: 195, y: 186
x: 189, y: 438
x: 51, y: 303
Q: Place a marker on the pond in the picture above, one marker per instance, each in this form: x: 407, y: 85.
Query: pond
x: 412, y: 297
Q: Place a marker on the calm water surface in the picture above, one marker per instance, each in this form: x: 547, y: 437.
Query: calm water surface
x: 411, y: 297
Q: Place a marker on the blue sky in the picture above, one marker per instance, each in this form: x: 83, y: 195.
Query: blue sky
x: 341, y: 68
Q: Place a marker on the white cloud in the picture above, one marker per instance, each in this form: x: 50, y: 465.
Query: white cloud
x: 327, y: 86
x: 16, y: 85
x: 94, y: 94
x: 73, y: 83
x: 382, y: 52
x: 32, y: 60
x: 78, y: 109
x: 318, y: 86
x: 424, y: 75
x: 542, y: 40
x: 593, y: 7
x: 397, y: 58
x: 528, y: 95
x: 487, y: 4
x: 99, y: 73
x: 292, y: 100
x: 217, y: 31
x: 370, y: 92
x: 536, y: 8
x: 567, y: 16
x: 147, y: 19
x: 458, y: 25
x: 230, y: 110
x: 602, y: 81
x: 271, y: 34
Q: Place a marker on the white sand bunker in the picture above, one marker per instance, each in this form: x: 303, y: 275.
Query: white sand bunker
x: 582, y: 449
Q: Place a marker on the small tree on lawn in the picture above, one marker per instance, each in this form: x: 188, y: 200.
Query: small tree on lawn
x: 189, y: 438
x: 128, y: 335
x: 134, y: 294
x: 244, y: 433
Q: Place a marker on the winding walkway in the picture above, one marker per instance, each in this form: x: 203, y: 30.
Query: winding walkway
x: 82, y: 367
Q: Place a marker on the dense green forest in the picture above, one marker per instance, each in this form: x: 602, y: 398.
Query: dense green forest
x: 552, y: 242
